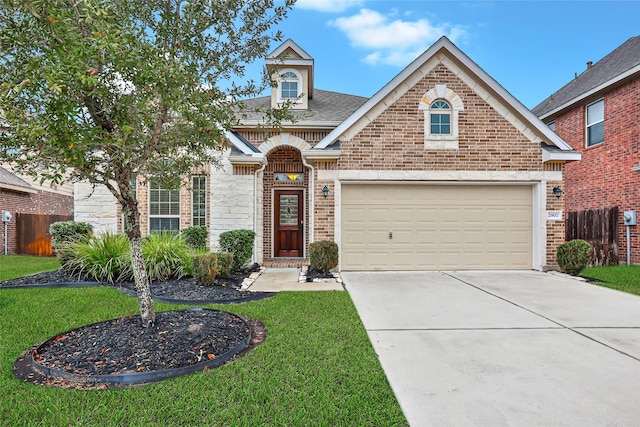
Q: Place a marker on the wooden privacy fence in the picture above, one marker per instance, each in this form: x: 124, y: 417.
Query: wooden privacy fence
x: 598, y: 227
x: 32, y: 233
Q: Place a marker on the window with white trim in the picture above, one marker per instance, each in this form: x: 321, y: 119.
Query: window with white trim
x: 199, y: 200
x: 441, y: 107
x: 595, y: 123
x: 164, y: 209
x: 289, y: 86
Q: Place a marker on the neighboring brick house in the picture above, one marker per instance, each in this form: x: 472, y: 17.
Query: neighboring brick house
x: 598, y: 114
x: 21, y: 195
x: 441, y: 169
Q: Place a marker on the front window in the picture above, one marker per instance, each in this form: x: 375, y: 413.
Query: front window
x: 440, y: 118
x: 164, y: 209
x: 199, y: 200
x: 595, y: 123
x: 289, y: 83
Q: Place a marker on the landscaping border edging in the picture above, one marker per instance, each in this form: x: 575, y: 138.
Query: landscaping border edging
x: 25, y: 366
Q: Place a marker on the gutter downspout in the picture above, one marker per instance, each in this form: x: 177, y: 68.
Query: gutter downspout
x: 255, y: 210
x: 311, y: 199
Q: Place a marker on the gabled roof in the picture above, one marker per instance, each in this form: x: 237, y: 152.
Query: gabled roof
x: 12, y: 182
x: 621, y: 64
x: 444, y: 45
x: 290, y: 54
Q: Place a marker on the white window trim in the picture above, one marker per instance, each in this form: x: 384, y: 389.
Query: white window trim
x: 440, y: 141
x: 163, y: 216
x: 588, y: 125
x: 298, y: 98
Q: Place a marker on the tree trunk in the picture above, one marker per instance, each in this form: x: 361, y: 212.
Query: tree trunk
x: 132, y: 229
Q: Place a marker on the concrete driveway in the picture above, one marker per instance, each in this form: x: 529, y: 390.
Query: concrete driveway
x: 514, y: 348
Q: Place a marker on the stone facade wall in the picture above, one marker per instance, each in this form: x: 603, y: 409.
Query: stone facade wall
x: 96, y: 206
x: 40, y: 203
x: 605, y: 178
x: 231, y: 202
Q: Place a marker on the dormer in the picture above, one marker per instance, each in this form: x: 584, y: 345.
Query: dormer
x: 291, y: 68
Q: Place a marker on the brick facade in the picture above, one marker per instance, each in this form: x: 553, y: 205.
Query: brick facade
x: 605, y: 178
x: 395, y: 139
x: 41, y: 203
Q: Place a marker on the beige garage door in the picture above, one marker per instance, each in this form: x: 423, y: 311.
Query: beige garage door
x: 436, y: 227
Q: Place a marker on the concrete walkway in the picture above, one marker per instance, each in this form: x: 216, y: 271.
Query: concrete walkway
x: 503, y: 348
x: 288, y: 279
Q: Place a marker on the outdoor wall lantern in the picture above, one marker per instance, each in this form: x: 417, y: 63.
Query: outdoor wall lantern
x: 325, y: 191
x: 557, y: 191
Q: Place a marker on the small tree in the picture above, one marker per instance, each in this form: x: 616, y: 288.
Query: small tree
x: 107, y: 91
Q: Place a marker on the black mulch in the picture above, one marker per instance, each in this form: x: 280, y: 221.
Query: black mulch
x: 120, y: 352
x: 185, y: 290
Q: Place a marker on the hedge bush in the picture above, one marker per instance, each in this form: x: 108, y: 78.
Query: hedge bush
x: 195, y: 237
x: 64, y: 233
x: 205, y: 268
x: 323, y: 256
x: 574, y: 256
x: 224, y: 264
x: 240, y: 244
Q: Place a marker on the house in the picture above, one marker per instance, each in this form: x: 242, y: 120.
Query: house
x: 441, y: 169
x: 32, y: 207
x: 598, y: 114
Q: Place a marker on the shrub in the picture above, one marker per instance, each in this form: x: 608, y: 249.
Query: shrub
x: 240, y: 244
x: 205, y: 268
x: 323, y: 256
x: 574, y: 256
x: 106, y: 258
x: 165, y: 255
x: 225, y: 261
x: 69, y: 231
x: 63, y: 233
x: 195, y: 237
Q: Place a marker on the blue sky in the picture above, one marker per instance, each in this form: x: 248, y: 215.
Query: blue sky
x: 532, y: 48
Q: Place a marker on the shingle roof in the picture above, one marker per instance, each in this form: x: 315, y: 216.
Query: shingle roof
x: 13, y: 182
x: 326, y: 107
x: 608, y: 69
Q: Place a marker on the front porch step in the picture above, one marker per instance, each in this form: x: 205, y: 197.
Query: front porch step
x: 285, y: 262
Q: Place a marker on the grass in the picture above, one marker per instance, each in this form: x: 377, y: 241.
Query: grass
x: 12, y: 266
x: 316, y: 367
x: 624, y: 278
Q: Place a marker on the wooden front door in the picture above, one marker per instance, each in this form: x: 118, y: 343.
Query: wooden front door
x: 288, y: 214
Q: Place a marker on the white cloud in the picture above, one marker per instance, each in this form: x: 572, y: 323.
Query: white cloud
x: 328, y: 5
x: 393, y: 41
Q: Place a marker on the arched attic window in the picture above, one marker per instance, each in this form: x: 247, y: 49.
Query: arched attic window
x: 441, y: 107
x: 289, y: 86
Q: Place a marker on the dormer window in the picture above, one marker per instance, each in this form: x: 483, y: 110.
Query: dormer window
x: 289, y: 86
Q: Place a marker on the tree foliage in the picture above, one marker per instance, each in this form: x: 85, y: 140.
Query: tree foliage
x: 105, y: 91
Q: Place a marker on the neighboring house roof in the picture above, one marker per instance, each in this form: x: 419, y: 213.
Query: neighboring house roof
x: 12, y: 182
x: 445, y: 45
x: 326, y: 110
x: 615, y: 68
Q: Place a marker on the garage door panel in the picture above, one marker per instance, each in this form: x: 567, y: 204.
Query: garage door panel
x: 436, y: 227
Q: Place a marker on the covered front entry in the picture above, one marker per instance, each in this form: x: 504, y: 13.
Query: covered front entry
x: 288, y: 239
x: 436, y: 227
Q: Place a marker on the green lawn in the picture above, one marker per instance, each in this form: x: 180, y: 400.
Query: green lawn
x: 316, y: 367
x: 12, y: 266
x: 624, y: 278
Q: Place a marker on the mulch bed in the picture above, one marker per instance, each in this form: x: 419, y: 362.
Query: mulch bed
x: 121, y: 352
x: 185, y: 290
